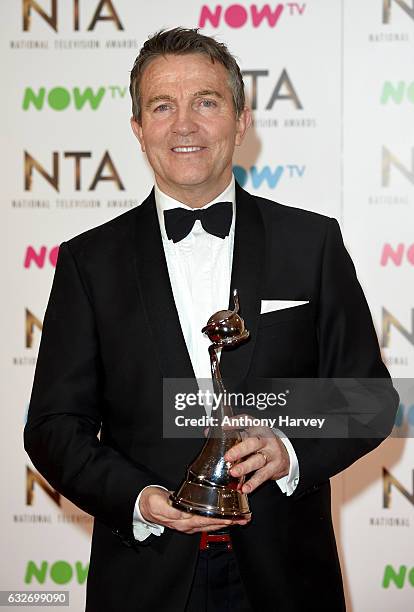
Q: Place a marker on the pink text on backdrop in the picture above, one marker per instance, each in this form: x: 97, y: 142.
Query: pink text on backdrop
x: 40, y: 256
x: 237, y: 15
x: 397, y: 255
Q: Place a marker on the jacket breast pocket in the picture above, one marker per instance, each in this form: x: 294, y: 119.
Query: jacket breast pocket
x: 294, y: 313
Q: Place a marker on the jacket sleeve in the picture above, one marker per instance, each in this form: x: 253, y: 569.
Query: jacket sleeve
x: 61, y: 435
x: 348, y: 352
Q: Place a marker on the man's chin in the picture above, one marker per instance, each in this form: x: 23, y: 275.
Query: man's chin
x: 190, y: 181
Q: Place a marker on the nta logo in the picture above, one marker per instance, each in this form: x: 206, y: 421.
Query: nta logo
x: 388, y: 321
x: 386, y: 9
x: 31, y: 322
x: 104, y: 11
x: 33, y: 478
x: 237, y: 15
x: 60, y: 98
x: 105, y: 171
x: 396, y: 255
x: 389, y: 481
x: 389, y: 160
x: 283, y: 90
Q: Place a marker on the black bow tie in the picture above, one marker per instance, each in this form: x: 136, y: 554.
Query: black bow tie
x: 215, y: 219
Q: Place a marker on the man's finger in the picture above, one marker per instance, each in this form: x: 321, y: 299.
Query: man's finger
x: 173, y: 513
x: 162, y: 507
x: 246, y: 447
x: 257, y: 479
x: 260, y: 431
x: 254, y: 462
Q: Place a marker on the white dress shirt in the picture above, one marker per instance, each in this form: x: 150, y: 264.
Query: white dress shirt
x: 199, y: 268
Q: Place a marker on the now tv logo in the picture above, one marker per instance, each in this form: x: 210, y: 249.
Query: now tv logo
x: 238, y: 15
x: 397, y: 255
x: 41, y: 256
x: 267, y: 175
x: 60, y: 98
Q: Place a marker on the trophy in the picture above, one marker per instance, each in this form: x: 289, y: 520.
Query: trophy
x: 209, y: 489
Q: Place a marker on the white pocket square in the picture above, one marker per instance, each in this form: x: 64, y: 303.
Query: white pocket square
x: 271, y: 305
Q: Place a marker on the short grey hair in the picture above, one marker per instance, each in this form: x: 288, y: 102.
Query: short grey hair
x: 185, y: 41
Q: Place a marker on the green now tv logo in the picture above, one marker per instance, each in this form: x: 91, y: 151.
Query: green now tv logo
x: 59, y: 572
x: 398, y: 577
x: 61, y: 98
x: 397, y: 92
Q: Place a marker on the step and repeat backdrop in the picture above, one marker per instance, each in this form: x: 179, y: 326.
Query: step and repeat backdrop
x: 331, y: 86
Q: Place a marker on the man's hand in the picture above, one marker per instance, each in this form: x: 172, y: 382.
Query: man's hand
x: 155, y: 508
x: 263, y: 453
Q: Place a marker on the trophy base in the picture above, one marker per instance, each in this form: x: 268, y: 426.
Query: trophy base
x: 208, y: 500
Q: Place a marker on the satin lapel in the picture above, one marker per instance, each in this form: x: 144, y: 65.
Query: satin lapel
x: 246, y: 277
x: 156, y: 293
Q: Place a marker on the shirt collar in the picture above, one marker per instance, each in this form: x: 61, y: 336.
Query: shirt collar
x: 165, y: 202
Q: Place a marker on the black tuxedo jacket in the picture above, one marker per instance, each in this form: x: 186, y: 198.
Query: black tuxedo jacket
x: 111, y: 333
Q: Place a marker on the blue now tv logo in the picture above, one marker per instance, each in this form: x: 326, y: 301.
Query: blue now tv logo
x: 267, y: 176
x: 404, y: 418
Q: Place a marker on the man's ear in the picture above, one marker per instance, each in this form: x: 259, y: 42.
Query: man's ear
x: 137, y: 129
x: 243, y: 124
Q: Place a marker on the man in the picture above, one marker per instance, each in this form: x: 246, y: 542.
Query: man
x: 127, y: 305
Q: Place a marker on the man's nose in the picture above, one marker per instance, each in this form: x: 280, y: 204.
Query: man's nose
x: 184, y: 122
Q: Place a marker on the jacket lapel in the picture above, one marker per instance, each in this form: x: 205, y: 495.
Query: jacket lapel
x: 247, y: 278
x: 156, y: 293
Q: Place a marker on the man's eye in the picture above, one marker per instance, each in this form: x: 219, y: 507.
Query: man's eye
x: 161, y: 107
x: 208, y: 103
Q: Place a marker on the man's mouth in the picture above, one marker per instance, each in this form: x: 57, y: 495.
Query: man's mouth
x: 187, y: 149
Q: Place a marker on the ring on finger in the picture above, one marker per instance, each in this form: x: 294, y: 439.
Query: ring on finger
x: 265, y: 457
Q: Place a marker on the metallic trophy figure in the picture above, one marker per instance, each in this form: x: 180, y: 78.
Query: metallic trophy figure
x: 209, y: 489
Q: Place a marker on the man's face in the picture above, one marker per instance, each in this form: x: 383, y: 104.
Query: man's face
x: 188, y: 125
